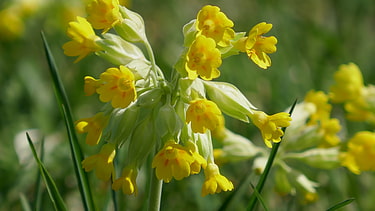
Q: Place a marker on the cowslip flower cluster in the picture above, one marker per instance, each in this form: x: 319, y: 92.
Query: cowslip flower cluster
x: 172, y: 121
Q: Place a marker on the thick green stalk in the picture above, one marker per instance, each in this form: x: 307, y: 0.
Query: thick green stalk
x: 155, y: 192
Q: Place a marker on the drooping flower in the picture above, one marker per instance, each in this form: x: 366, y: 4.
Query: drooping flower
x: 329, y: 129
x: 93, y: 126
x: 258, y: 46
x: 348, y: 83
x: 215, y: 182
x: 359, y: 110
x: 127, y: 181
x: 103, y: 14
x: 115, y: 85
x: 270, y: 126
x: 176, y: 161
x: 102, y: 163
x: 322, y: 108
x: 214, y: 24
x: 360, y: 153
x: 203, y: 59
x: 83, y: 39
x: 203, y: 114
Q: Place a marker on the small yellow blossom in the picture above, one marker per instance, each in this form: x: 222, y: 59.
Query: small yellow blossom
x: 322, y: 108
x: 103, y: 14
x: 203, y: 59
x: 127, y: 181
x: 11, y: 24
x: 257, y: 46
x: 93, y: 126
x: 329, y: 128
x: 349, y: 83
x: 91, y: 84
x: 360, y: 153
x: 270, y: 126
x: 214, y: 24
x: 176, y: 161
x: 203, y: 114
x: 102, y: 163
x: 359, y: 110
x: 116, y: 85
x: 215, y: 182
x: 83, y: 39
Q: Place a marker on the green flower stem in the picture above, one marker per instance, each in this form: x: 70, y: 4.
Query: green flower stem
x: 263, y: 177
x: 155, y: 68
x: 155, y: 192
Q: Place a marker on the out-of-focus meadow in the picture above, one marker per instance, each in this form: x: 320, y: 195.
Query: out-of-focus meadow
x: 314, y: 38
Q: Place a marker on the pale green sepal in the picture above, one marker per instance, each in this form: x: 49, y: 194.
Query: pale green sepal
x: 132, y: 27
x: 282, y: 184
x: 204, y: 144
x: 192, y: 89
x: 150, y: 98
x: 231, y: 49
x: 324, y: 158
x: 180, y: 64
x: 167, y: 121
x: 189, y: 31
x: 229, y: 99
x: 142, y: 141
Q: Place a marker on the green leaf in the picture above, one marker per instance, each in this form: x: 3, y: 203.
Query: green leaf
x: 75, y: 149
x: 341, y: 204
x: 53, y: 192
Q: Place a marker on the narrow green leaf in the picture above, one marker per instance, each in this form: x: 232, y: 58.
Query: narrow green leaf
x: 39, y: 192
x: 24, y: 203
x: 341, y: 204
x: 76, y: 153
x: 259, y: 197
x: 271, y: 158
x: 53, y: 192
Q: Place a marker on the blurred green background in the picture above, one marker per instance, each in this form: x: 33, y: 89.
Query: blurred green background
x: 314, y: 38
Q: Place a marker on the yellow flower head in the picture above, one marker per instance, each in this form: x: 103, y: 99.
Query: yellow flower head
x: 257, y: 46
x: 91, y: 84
x: 270, y: 126
x: 215, y: 182
x: 203, y: 114
x: 103, y: 14
x: 322, y: 108
x: 361, y: 153
x: 203, y: 59
x: 127, y: 181
x: 93, y: 126
x: 214, y: 24
x: 349, y: 84
x: 176, y: 161
x: 83, y: 39
x: 102, y: 163
x: 359, y: 110
x: 116, y: 85
x: 329, y: 128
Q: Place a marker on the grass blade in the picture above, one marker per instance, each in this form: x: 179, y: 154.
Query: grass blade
x: 24, y: 203
x: 259, y: 197
x: 53, y: 192
x: 76, y: 153
x: 341, y: 204
x: 271, y: 158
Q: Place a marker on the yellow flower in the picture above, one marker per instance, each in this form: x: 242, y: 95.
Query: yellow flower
x: 176, y: 161
x: 270, y: 126
x: 349, y: 84
x: 214, y: 24
x: 115, y: 85
x: 360, y: 153
x: 103, y: 14
x: 127, y: 181
x: 11, y: 24
x: 83, y: 39
x: 215, y: 182
x: 203, y: 59
x: 102, y: 163
x: 257, y: 46
x: 329, y: 128
x: 93, y: 126
x: 322, y: 107
x: 203, y: 114
x: 91, y: 84
x: 359, y: 110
